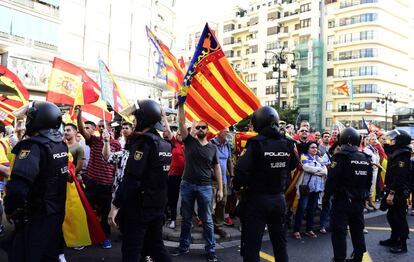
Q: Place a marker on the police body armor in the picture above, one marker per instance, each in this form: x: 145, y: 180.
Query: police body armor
x: 47, y: 195
x: 400, y: 156
x: 152, y: 188
x: 272, y: 159
x: 356, y: 184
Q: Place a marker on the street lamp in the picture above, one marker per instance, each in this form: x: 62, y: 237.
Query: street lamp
x: 280, y: 65
x: 384, y: 99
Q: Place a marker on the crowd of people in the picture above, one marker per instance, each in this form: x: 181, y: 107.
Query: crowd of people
x: 201, y: 170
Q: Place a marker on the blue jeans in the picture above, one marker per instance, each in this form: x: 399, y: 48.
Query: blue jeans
x: 325, y: 215
x: 203, y: 194
x: 308, y: 203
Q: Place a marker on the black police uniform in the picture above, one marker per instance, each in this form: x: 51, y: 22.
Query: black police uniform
x: 142, y: 197
x: 349, y: 182
x: 398, y: 181
x: 36, y: 197
x: 263, y: 171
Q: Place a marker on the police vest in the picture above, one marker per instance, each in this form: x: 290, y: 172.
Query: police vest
x: 152, y: 188
x: 272, y: 162
x: 356, y: 183
x: 47, y: 195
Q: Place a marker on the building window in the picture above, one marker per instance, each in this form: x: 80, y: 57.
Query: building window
x: 270, y: 103
x: 273, y: 30
x: 331, y: 23
x: 273, y: 16
x: 286, y: 29
x: 253, y: 49
x: 254, y: 89
x: 251, y: 78
x: 284, y: 90
x: 305, y: 23
x: 238, y: 53
x: 329, y: 56
x: 305, y: 8
x: 229, y: 53
x: 269, y: 75
x: 272, y: 45
x: 228, y: 28
x: 270, y: 90
x: 362, y: 18
x: 328, y: 121
x: 228, y: 40
x: 331, y: 39
x: 330, y: 72
x: 254, y: 20
x: 284, y: 104
x: 329, y: 106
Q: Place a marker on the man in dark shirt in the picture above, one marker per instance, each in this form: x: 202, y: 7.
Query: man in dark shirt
x: 200, y: 161
x: 302, y: 141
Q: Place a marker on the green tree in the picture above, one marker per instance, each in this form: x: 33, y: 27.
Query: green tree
x: 289, y: 114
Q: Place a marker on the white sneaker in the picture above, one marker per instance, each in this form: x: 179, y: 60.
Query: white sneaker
x: 62, y: 258
x: 172, y: 224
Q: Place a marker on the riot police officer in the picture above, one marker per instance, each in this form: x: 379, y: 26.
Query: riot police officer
x: 349, y: 181
x: 397, y: 188
x: 262, y: 173
x: 36, y: 193
x: 142, y: 195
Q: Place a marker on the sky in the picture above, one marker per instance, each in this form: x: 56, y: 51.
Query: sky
x: 193, y: 12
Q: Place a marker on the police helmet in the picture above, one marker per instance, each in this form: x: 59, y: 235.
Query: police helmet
x: 401, y: 137
x: 265, y: 116
x: 42, y: 116
x: 349, y: 136
x: 148, y: 114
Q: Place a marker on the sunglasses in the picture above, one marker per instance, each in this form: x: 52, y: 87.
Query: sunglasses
x: 303, y: 131
x: 201, y: 127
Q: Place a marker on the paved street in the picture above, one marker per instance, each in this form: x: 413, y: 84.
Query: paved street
x: 305, y: 250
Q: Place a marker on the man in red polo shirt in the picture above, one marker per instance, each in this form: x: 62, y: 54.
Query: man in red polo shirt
x: 99, y: 175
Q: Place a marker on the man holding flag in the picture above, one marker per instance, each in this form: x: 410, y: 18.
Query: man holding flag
x: 99, y: 175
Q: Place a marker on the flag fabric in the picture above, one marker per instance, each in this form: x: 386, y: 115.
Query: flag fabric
x: 370, y: 127
x: 168, y: 66
x: 240, y: 141
x: 212, y: 91
x: 111, y: 92
x: 70, y: 85
x: 13, y: 95
x: 81, y: 226
x: 343, y: 88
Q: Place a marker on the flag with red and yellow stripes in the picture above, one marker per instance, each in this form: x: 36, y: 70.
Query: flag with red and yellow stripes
x: 212, y: 91
x: 13, y: 95
x: 168, y: 64
x: 70, y: 85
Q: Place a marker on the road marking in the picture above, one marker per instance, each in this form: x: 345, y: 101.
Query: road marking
x: 384, y: 228
x: 267, y: 257
x: 367, y: 257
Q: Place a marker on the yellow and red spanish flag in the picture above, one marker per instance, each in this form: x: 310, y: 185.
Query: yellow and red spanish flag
x: 13, y: 95
x: 168, y: 66
x: 70, y: 85
x: 212, y: 91
x: 80, y: 227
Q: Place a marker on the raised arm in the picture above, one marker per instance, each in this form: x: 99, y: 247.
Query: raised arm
x: 81, y: 126
x: 181, y: 121
x: 166, y: 125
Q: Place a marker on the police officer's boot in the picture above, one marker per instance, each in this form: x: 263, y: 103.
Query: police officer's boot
x: 391, y: 242
x: 338, y: 260
x: 355, y: 258
x: 401, y: 248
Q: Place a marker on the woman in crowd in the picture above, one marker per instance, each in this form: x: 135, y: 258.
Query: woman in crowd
x: 371, y: 150
x: 311, y: 184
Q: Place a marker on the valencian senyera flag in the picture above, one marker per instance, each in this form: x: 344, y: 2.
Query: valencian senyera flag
x: 13, y: 95
x: 80, y: 227
x: 70, y: 85
x: 168, y: 66
x: 212, y: 91
x: 111, y: 92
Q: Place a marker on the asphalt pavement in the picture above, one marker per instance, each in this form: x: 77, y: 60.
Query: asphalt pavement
x: 309, y: 250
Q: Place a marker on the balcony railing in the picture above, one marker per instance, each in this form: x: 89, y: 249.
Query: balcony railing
x: 346, y: 4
